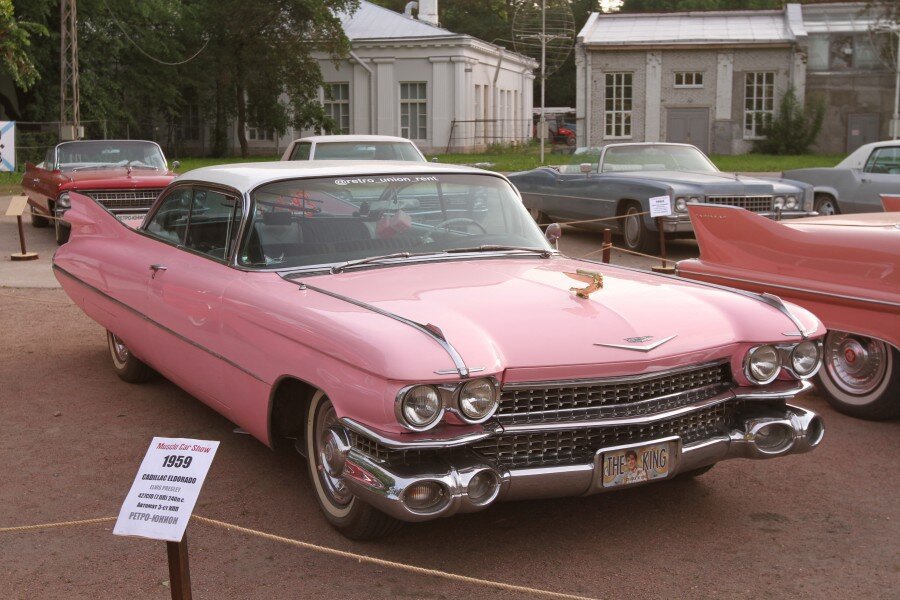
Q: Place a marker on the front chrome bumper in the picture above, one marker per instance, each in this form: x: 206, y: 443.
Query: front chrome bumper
x: 384, y: 486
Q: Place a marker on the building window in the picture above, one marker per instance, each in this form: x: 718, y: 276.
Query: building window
x: 189, y: 123
x: 759, y: 101
x: 337, y: 105
x: 413, y: 111
x: 618, y: 105
x: 258, y: 134
x: 689, y: 79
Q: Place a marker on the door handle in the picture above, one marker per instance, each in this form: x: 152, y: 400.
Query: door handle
x: 156, y: 269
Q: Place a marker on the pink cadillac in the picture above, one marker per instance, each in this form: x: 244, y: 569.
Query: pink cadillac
x: 845, y: 268
x: 412, y: 333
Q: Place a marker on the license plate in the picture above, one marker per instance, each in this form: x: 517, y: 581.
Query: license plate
x: 133, y: 221
x: 627, y: 465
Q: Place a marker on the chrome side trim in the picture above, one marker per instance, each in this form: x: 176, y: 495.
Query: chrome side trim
x: 792, y: 289
x: 775, y: 301
x: 414, y: 444
x: 159, y: 325
x: 431, y: 332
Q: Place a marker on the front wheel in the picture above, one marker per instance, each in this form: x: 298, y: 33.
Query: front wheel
x: 37, y: 219
x: 62, y: 232
x: 128, y: 367
x: 861, y: 376
x: 826, y: 205
x: 348, y: 514
x: 636, y: 234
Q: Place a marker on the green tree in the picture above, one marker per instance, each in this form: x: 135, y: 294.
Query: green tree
x: 793, y: 130
x: 16, y: 53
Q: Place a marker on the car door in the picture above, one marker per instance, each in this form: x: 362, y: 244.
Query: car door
x: 881, y: 175
x: 194, y: 231
x: 579, y: 197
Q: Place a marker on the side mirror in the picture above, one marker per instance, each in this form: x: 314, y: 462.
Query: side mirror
x: 553, y: 233
x: 435, y: 159
x: 175, y: 164
x: 585, y: 168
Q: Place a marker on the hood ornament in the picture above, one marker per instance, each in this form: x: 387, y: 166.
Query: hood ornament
x: 635, y: 343
x: 592, y: 278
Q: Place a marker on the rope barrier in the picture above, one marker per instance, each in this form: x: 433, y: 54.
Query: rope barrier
x: 33, y: 299
x: 616, y: 218
x: 361, y: 558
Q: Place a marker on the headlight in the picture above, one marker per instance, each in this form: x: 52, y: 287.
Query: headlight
x: 805, y: 359
x: 791, y: 203
x: 63, y: 201
x: 763, y: 365
x: 680, y: 204
x: 420, y: 407
x: 477, y: 400
x: 779, y: 202
x: 695, y: 199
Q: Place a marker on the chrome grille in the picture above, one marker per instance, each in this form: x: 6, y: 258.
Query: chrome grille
x: 751, y: 203
x: 572, y: 446
x: 614, y: 397
x: 118, y: 199
x: 384, y: 454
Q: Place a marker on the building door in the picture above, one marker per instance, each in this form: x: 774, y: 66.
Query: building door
x: 862, y: 128
x: 688, y: 126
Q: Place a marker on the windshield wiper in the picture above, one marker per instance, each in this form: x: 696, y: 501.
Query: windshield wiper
x: 352, y: 263
x: 498, y: 248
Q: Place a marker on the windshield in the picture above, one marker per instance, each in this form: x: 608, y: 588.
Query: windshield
x: 579, y: 156
x: 366, y: 151
x: 105, y: 154
x: 330, y: 220
x: 651, y: 157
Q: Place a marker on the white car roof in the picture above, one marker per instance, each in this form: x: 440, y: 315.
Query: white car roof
x: 247, y: 176
x: 352, y: 138
x: 857, y: 158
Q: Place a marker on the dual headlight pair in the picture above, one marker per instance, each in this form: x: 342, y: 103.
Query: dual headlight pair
x: 785, y: 203
x: 764, y: 363
x: 420, y: 407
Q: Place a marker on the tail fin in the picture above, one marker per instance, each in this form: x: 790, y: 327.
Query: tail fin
x: 729, y: 235
x: 890, y: 202
x: 88, y: 218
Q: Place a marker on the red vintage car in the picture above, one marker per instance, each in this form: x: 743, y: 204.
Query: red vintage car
x: 843, y: 268
x: 123, y: 176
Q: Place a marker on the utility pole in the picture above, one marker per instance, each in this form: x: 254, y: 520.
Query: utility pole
x: 69, y: 99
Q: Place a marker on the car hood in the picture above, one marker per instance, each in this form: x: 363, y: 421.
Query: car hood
x: 87, y: 179
x: 520, y: 314
x: 712, y: 183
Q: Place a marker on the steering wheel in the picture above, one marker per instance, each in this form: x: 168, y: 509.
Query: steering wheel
x: 446, y: 223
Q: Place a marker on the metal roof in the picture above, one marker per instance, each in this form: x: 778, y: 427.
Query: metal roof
x: 733, y: 27
x: 844, y: 17
x: 246, y: 176
x: 372, y: 22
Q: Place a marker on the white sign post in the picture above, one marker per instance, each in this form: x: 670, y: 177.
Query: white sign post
x: 162, y: 498
x: 661, y: 206
x: 7, y: 146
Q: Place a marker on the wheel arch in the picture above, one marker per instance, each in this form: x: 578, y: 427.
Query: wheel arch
x: 289, y: 400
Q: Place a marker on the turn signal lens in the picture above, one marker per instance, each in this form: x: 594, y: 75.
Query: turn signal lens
x: 424, y: 495
x: 805, y: 359
x: 477, y: 399
x: 483, y: 487
x: 421, y: 406
x: 763, y: 365
x: 772, y: 438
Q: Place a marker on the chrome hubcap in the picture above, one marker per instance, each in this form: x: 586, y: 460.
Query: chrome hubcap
x: 326, y: 451
x: 119, y: 349
x: 632, y: 227
x: 826, y: 208
x: 856, y: 364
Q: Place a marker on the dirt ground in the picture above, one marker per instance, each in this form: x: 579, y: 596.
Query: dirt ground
x: 819, y: 525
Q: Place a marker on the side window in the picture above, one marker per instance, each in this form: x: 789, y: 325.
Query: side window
x: 48, y: 159
x: 171, y: 219
x: 213, y: 223
x: 884, y: 160
x: 301, y: 151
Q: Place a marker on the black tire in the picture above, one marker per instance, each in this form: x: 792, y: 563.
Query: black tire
x: 62, y: 231
x: 352, y: 517
x: 826, y: 205
x: 128, y: 367
x: 539, y: 216
x: 861, y: 376
x: 693, y: 473
x: 635, y: 234
x: 37, y: 219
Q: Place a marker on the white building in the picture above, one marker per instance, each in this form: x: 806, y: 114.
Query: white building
x: 407, y: 76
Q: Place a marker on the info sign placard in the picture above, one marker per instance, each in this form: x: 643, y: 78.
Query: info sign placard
x: 7, y: 146
x: 166, y: 488
x: 660, y: 206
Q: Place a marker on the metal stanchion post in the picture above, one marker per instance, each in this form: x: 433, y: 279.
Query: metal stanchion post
x: 607, y: 243
x: 665, y: 268
x: 16, y: 208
